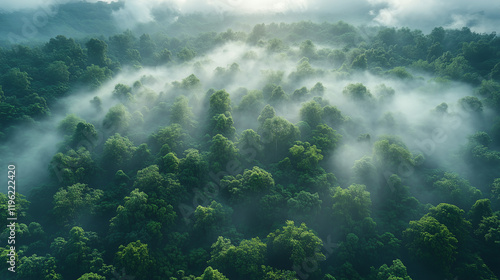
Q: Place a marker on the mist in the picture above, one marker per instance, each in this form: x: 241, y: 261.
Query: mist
x: 252, y: 140
x: 410, y: 109
x: 38, y: 18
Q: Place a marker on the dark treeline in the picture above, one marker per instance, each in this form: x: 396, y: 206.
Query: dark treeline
x: 306, y: 173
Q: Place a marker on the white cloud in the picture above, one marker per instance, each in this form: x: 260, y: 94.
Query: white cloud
x: 134, y: 12
x: 10, y: 6
x: 479, y: 15
x: 15, y: 5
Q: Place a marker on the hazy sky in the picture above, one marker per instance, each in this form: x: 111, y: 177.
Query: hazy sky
x: 479, y: 15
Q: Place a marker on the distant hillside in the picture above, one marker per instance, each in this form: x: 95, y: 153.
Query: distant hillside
x: 72, y: 19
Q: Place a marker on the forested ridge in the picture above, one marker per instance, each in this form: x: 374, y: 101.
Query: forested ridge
x: 287, y: 151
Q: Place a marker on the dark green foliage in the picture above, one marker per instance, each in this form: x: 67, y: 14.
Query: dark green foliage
x: 311, y: 113
x: 489, y: 89
x: 305, y: 157
x: 189, y: 83
x: 489, y: 232
x: 193, y: 168
x: 431, y: 242
x: 172, y: 183
x: 362, y: 249
x: 141, y: 216
x: 222, y: 153
x: 278, y: 96
x: 38, y: 267
x: 249, y: 144
x: 257, y: 33
x: 66, y: 50
x: 318, y: 89
x: 251, y: 102
x: 332, y: 116
x: 174, y: 136
x: 163, y: 57
x: 308, y: 49
x: 245, y: 187
x: 481, y: 209
x: 84, y: 135
x: 303, y: 205
x: 397, y: 207
x: 364, y: 171
x: 94, y: 76
x: 77, y: 255
x: 456, y: 190
x: 357, y: 92
x: 149, y: 180
x: 359, y: 63
x: 391, y: 154
x: 118, y: 151
x: 146, y: 45
x: 212, y: 274
x: 325, y: 138
x: 117, y: 119
x: 278, y: 134
x: 270, y: 273
x: 275, y: 45
x: 58, y: 72
x: 495, y: 190
x: 400, y: 73
x: 211, y: 218
x: 186, y: 54
x: 471, y: 104
x: 291, y: 246
x: 223, y: 124
x: 304, y: 70
x: 16, y: 82
x: 300, y: 94
x: 91, y: 276
x: 266, y: 113
x: 97, y: 51
x: 220, y: 103
x: 181, y: 113
x: 135, y: 258
x: 169, y: 163
x: 73, y: 167
x: 453, y: 218
x: 396, y: 271
x: 242, y: 261
x: 122, y: 92
x: 351, y: 205
x: 68, y: 125
x: 75, y: 202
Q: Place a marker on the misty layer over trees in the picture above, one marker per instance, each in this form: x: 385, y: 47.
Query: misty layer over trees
x: 297, y: 150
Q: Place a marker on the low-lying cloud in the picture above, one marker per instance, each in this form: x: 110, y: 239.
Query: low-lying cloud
x: 480, y: 16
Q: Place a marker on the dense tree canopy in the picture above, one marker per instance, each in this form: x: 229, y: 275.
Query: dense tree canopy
x: 182, y: 149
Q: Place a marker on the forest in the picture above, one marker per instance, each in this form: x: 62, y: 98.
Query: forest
x: 272, y: 150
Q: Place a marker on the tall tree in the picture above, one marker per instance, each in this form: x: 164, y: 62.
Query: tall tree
x: 117, y: 152
x: 242, y: 261
x: 74, y: 202
x: 291, y: 246
x: 278, y: 134
x: 351, y: 205
x: 431, y: 242
x: 97, y: 52
x: 135, y: 259
x: 222, y: 152
x: 220, y: 103
x: 311, y: 113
